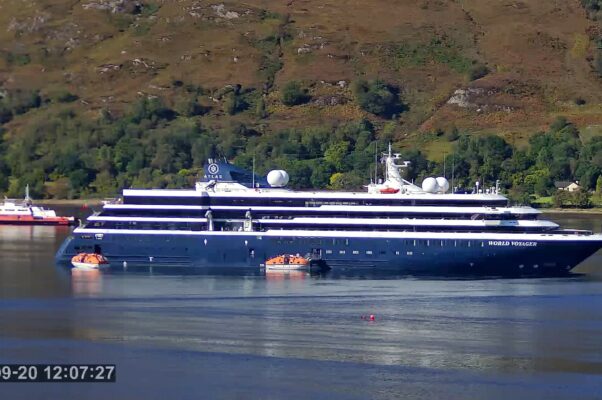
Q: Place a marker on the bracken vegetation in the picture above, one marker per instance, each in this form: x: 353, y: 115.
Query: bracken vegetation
x: 98, y: 95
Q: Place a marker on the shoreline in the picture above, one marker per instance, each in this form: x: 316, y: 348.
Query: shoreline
x: 73, y: 202
x: 587, y: 211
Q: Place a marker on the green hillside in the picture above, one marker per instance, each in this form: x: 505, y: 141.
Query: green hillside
x: 96, y: 95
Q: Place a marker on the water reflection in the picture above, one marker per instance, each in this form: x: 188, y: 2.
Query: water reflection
x: 86, y: 282
x: 500, y: 325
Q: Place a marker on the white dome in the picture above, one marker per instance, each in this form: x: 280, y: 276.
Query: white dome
x: 276, y: 178
x: 443, y: 184
x: 430, y: 185
x: 285, y: 175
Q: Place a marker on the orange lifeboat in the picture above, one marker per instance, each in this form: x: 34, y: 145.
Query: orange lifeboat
x: 389, y: 190
x: 287, y: 262
x: 89, y: 261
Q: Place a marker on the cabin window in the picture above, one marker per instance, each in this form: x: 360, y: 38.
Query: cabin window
x: 368, y: 251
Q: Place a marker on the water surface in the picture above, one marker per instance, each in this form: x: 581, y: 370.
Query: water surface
x: 181, y: 335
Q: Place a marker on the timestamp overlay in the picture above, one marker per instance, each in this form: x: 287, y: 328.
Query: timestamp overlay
x: 29, y: 373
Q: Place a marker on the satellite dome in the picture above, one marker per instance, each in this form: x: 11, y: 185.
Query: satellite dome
x: 443, y: 184
x: 430, y: 185
x: 276, y: 178
x: 285, y: 175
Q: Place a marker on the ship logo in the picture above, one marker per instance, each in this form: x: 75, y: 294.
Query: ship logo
x: 213, y: 169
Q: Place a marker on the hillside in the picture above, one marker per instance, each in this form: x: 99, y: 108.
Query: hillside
x: 488, y: 66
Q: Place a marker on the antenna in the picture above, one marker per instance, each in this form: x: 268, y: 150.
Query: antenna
x: 376, y: 162
x: 453, y: 167
x: 444, y: 154
x: 253, y: 171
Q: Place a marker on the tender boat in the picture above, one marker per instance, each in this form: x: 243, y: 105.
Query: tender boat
x: 287, y: 262
x: 89, y: 261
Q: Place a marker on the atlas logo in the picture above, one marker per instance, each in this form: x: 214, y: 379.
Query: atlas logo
x: 213, y: 169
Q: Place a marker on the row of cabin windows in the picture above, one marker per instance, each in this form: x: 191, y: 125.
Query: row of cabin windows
x: 260, y: 214
x: 238, y: 226
x: 302, y: 202
x: 406, y: 243
x: 135, y: 225
x: 417, y: 243
x: 390, y: 228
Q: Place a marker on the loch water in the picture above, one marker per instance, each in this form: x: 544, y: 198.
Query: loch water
x: 173, y: 334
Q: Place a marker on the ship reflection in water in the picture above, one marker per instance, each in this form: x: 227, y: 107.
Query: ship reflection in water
x: 295, y: 335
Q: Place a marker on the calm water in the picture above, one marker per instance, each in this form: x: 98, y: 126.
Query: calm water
x: 190, y: 336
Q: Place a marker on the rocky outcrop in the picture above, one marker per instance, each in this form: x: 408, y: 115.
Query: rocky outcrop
x: 220, y: 10
x: 114, y: 6
x: 481, y: 99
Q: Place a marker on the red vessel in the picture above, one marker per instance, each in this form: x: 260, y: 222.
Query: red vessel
x: 25, y: 213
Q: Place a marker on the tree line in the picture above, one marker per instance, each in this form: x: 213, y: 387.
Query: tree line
x: 65, y: 155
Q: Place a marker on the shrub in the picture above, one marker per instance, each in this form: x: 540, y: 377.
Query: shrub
x: 18, y: 59
x: 234, y: 104
x: 453, y: 135
x: 64, y: 96
x: 598, y: 63
x: 188, y: 106
x: 580, y: 101
x: 149, y: 9
x: 5, y: 114
x: 378, y: 98
x: 293, y: 94
x: 477, y: 72
x: 21, y: 101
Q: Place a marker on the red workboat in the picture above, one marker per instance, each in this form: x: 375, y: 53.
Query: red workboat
x: 25, y: 213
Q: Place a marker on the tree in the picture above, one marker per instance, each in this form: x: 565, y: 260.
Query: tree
x: 378, y: 98
x: 561, y: 199
x: 345, y: 181
x: 581, y: 199
x: 335, y: 155
x: 260, y: 110
x: 235, y: 103
x: 293, y: 94
x: 188, y: 106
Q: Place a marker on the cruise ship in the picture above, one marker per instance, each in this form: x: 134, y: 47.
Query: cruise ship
x: 234, y: 220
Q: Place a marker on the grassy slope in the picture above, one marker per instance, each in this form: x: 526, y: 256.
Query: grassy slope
x: 537, y: 52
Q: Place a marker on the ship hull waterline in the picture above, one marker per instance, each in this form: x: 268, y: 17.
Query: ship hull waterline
x: 248, y: 251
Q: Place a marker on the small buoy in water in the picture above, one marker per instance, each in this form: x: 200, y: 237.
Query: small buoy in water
x: 372, y: 318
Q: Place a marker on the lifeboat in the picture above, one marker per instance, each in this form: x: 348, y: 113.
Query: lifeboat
x: 389, y: 190
x: 89, y: 261
x: 287, y: 262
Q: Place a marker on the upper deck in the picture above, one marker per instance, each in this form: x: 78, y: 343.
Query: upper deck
x: 289, y: 198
